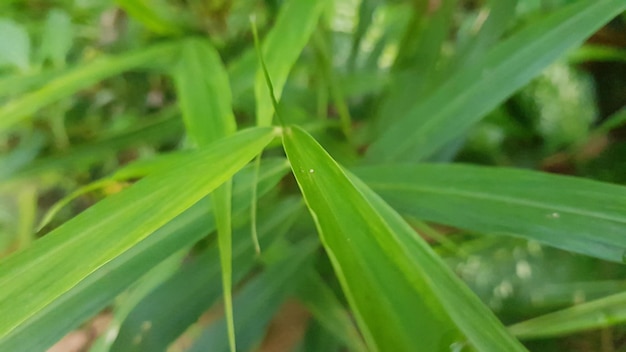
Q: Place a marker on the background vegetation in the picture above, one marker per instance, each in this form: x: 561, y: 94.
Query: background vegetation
x: 438, y: 175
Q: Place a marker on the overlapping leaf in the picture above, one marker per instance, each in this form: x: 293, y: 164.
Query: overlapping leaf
x: 477, y: 89
x: 574, y: 214
x: 62, y: 259
x: 403, y: 296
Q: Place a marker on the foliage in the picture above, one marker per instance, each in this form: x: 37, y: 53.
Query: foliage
x: 188, y: 170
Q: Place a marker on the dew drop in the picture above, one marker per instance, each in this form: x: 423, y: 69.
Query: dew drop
x: 311, y: 171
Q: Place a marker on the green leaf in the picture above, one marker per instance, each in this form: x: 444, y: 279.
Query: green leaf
x: 156, y: 15
x: 57, y: 37
x: 80, y: 77
x: 259, y: 300
x: 325, y: 307
x: 179, y: 302
x: 281, y: 48
x: 597, y: 314
x: 377, y: 256
x: 478, y: 88
x: 97, y: 290
x: 62, y: 259
x: 14, y: 45
x: 564, y: 212
x: 204, y: 94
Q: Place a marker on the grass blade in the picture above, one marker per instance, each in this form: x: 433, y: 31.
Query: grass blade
x: 97, y: 290
x: 476, y: 89
x: 597, y: 314
x: 321, y: 301
x: 156, y: 15
x: 77, y: 79
x: 258, y: 301
x: 204, y: 93
x: 543, y: 207
x: 178, y: 302
x: 428, y: 299
x: 62, y: 259
x: 281, y: 48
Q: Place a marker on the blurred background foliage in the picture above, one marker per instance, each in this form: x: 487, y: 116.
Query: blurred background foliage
x: 367, y: 60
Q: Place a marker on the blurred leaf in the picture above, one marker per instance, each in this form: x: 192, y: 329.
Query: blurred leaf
x: 560, y: 211
x: 57, y: 38
x: 596, y: 53
x: 326, y: 308
x: 80, y: 77
x: 157, y: 15
x: 204, y: 95
x: 478, y: 88
x: 428, y: 299
x: 98, y: 289
x: 258, y: 300
x: 601, y: 313
x: 14, y: 45
x: 164, y: 127
x: 179, y: 302
x: 281, y: 48
x: 68, y: 255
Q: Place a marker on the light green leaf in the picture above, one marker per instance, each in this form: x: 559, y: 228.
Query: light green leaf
x: 325, y: 307
x: 14, y: 45
x: 477, y: 89
x: 281, y: 48
x: 597, y: 314
x: 156, y: 15
x: 62, y: 259
x: 80, y: 77
x: 403, y: 296
x: 96, y: 291
x: 578, y: 215
x: 179, y: 302
x: 259, y: 300
x: 204, y: 94
x: 57, y: 37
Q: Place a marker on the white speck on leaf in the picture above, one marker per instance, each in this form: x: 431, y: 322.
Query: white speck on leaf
x: 311, y: 171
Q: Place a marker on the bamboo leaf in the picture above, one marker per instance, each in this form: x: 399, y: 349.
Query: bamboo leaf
x: 179, y: 301
x: 97, y: 290
x: 321, y: 301
x: 156, y: 15
x: 205, y: 100
x: 203, y: 93
x: 62, y: 259
x: 564, y: 212
x: 409, y: 300
x: 282, y: 47
x: 258, y: 301
x: 477, y: 89
x: 74, y: 80
x: 601, y: 313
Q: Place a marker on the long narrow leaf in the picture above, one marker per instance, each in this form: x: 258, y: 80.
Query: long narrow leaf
x: 284, y: 43
x: 601, y: 313
x: 205, y: 100
x: 578, y: 215
x: 79, y: 78
x: 403, y: 295
x: 477, y: 89
x: 97, y: 290
x: 179, y: 301
x: 65, y: 257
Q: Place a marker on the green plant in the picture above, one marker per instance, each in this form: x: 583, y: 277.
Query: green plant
x: 360, y: 132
